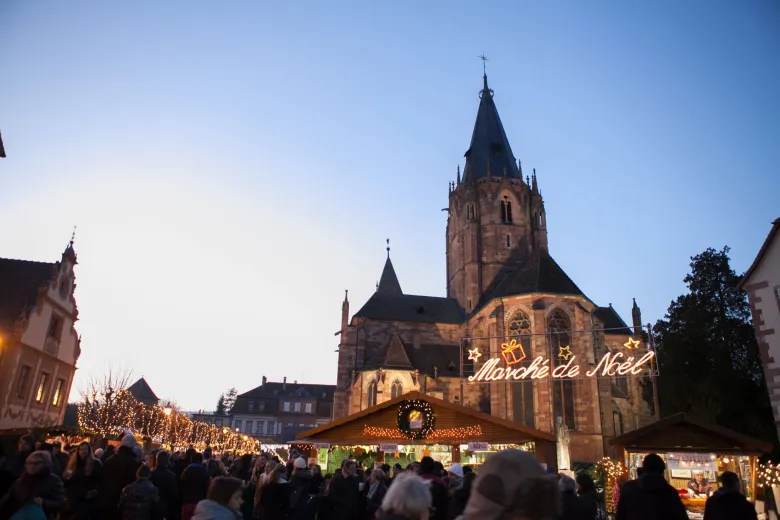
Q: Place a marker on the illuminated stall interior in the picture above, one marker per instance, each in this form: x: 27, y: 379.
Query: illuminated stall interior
x: 409, y: 427
x: 693, y: 451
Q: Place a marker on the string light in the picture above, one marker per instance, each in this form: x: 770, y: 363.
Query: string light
x: 463, y: 432
x: 415, y: 411
x: 611, y: 471
x: 768, y: 474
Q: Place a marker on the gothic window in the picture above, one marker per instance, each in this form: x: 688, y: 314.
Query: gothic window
x: 470, y: 213
x: 372, y: 394
x: 522, y: 392
x: 559, y: 329
x: 617, y: 421
x: 619, y: 386
x: 506, y: 211
x: 508, y: 241
x: 397, y: 389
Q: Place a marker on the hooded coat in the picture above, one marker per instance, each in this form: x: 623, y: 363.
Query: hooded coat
x: 650, y: 497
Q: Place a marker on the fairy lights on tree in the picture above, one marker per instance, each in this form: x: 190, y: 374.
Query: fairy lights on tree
x: 768, y: 475
x: 609, y: 472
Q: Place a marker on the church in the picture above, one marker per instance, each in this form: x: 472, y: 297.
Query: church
x: 504, y: 291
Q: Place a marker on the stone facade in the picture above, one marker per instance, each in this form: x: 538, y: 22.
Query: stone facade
x: 39, y: 345
x: 502, y: 284
x: 762, y: 284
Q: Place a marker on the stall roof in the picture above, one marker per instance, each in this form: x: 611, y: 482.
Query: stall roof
x: 681, y: 432
x: 349, y: 430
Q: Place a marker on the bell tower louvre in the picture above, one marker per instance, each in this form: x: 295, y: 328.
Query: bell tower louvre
x: 497, y: 219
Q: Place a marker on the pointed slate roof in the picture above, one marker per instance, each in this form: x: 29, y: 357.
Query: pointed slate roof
x: 391, y: 356
x: 143, y: 392
x: 411, y: 308
x: 388, y: 283
x: 489, y: 145
x: 613, y: 323
x: 19, y: 284
x: 539, y: 274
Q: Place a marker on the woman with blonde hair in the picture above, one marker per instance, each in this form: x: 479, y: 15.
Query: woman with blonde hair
x: 275, y: 498
x: 81, y: 477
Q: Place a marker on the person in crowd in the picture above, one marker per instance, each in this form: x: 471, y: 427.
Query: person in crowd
x: 141, y: 499
x: 460, y: 497
x: 650, y: 497
x: 59, y: 455
x: 397, y: 470
x: 300, y: 484
x: 569, y: 506
x: 223, y: 501
x: 409, y: 498
x: 118, y: 471
x: 700, y: 486
x: 377, y: 488
x: 275, y: 499
x: 165, y: 479
x: 38, y: 488
x: 587, y: 497
x: 512, y: 485
x: 212, y: 466
x: 727, y: 503
x: 316, y: 479
x: 109, y: 452
x: 455, y: 476
x: 344, y: 493
x: 193, y: 485
x: 13, y: 464
x: 99, y: 453
x: 183, y: 461
x: 81, y: 476
x: 467, y: 470
x: 440, y: 490
x: 261, y: 480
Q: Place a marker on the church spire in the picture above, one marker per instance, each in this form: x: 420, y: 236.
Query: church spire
x: 389, y: 283
x: 489, y: 149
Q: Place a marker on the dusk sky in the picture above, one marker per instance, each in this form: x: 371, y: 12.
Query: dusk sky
x: 233, y: 167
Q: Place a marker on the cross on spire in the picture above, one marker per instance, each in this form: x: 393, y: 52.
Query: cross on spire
x: 484, y: 62
x: 388, y: 248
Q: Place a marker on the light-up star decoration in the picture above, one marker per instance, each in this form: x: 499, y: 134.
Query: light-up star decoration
x: 474, y: 355
x: 631, y: 344
x: 565, y: 352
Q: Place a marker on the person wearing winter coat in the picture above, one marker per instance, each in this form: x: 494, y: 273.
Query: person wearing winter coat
x: 38, y: 485
x: 728, y: 503
x: 440, y: 490
x: 118, y: 471
x: 377, y: 489
x: 223, y: 500
x: 275, y: 497
x: 409, y: 498
x: 141, y: 499
x: 587, y: 498
x: 165, y: 480
x: 569, y: 506
x: 650, y: 497
x: 344, y: 493
x: 12, y: 466
x: 81, y: 476
x: 194, y: 485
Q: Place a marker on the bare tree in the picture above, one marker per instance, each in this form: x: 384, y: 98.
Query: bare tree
x: 106, y: 406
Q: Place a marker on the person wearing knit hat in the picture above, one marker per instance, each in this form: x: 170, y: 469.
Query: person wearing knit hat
x: 512, y: 485
x: 300, y: 463
x: 128, y: 441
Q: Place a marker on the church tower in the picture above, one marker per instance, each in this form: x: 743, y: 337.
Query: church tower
x: 496, y: 219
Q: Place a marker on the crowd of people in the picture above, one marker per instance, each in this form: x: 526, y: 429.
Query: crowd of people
x: 47, y: 482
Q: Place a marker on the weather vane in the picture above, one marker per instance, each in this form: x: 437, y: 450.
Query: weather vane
x: 484, y: 62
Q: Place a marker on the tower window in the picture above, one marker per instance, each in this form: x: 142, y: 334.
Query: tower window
x: 506, y: 211
x: 559, y: 333
x: 397, y: 389
x: 372, y: 394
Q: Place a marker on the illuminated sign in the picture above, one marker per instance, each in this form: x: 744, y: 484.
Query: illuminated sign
x: 613, y: 364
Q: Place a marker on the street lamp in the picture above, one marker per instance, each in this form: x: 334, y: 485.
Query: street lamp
x: 168, y: 410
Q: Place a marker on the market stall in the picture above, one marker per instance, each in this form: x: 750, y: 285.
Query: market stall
x: 414, y: 425
x: 696, y: 453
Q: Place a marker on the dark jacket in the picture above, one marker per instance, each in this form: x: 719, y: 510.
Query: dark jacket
x: 587, y: 506
x: 316, y: 482
x: 650, y: 498
x: 139, y: 501
x: 300, y: 482
x: 440, y: 492
x: 118, y: 472
x: 194, y: 483
x: 729, y: 505
x: 344, y: 497
x: 48, y: 487
x: 77, y: 487
x: 11, y: 469
x: 375, y: 501
x: 165, y: 481
x: 275, y: 501
x: 569, y: 506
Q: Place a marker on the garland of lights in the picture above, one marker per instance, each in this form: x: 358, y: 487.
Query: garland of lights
x: 611, y: 472
x: 415, y: 407
x: 768, y: 475
x: 465, y: 432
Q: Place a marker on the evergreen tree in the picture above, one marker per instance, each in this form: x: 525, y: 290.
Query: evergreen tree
x: 221, y: 408
x: 708, y: 355
x: 230, y: 399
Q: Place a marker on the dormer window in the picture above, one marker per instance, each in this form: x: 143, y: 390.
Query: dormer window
x: 251, y: 406
x: 506, y: 210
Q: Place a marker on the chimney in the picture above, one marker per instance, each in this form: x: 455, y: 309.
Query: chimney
x: 264, y: 380
x: 284, y: 383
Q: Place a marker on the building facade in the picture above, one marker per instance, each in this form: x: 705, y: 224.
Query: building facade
x: 39, y: 345
x: 275, y: 412
x: 502, y: 285
x: 762, y: 284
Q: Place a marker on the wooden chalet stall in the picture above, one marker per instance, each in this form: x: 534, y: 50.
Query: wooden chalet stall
x: 691, y: 448
x: 428, y: 423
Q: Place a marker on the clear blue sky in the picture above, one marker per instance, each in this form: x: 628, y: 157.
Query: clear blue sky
x: 234, y: 166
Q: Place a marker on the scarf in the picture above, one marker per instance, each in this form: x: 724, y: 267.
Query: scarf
x: 372, y: 489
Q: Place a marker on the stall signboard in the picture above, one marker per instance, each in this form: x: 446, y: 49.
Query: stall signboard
x: 388, y: 448
x: 478, y: 446
x: 322, y: 446
x: 514, y: 363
